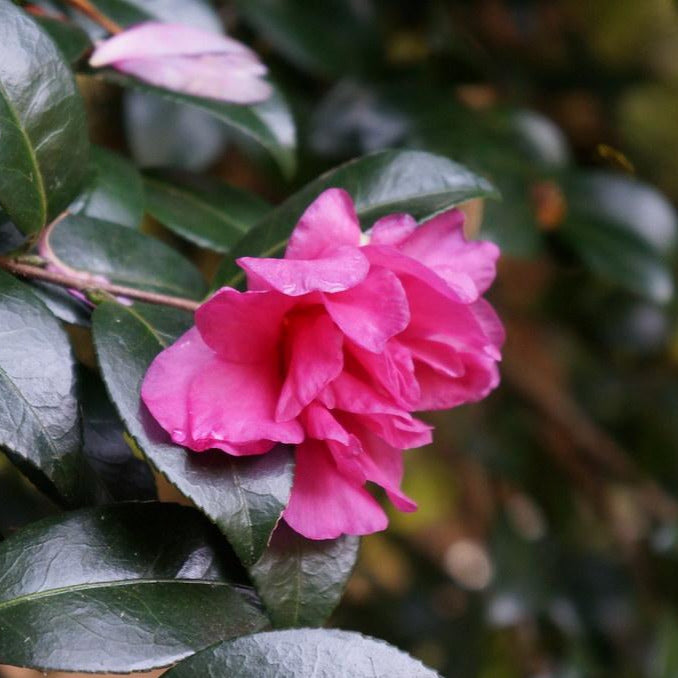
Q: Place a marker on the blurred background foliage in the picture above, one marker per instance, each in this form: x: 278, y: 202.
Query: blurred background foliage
x: 546, y: 543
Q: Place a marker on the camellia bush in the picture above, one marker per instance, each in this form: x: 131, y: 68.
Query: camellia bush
x: 233, y: 271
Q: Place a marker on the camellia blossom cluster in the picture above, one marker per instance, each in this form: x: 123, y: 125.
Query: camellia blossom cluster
x: 188, y: 60
x: 331, y: 349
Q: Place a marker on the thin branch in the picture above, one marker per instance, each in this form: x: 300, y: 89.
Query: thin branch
x: 90, y: 283
x: 95, y: 15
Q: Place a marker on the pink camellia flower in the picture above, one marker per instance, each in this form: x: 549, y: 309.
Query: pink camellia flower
x: 186, y: 59
x: 331, y: 349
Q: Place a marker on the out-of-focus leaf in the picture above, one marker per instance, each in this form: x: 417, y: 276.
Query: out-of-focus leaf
x: 299, y: 31
x: 123, y: 476
x: 202, y: 209
x: 622, y: 230
x: 113, y: 589
x: 38, y: 411
x: 302, y: 653
x: 162, y: 133
x: 198, y: 13
x: 124, y: 256
x: 268, y: 124
x: 43, y: 152
x: 416, y: 182
x: 114, y: 192
x: 300, y: 580
x: 244, y: 497
x: 68, y: 37
x: 626, y: 204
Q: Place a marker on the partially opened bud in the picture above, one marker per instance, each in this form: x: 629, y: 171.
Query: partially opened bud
x: 186, y: 59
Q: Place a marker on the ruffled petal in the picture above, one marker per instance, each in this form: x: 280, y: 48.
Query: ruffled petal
x: 167, y: 382
x: 440, y: 391
x: 373, y: 312
x: 383, y: 465
x: 440, y: 245
x: 462, y: 289
x: 392, y: 370
x: 315, y: 359
x: 344, y: 269
x: 392, y: 229
x: 325, y: 503
x: 242, y: 326
x: 329, y: 222
x: 234, y: 403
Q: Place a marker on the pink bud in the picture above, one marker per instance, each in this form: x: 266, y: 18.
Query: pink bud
x: 188, y: 60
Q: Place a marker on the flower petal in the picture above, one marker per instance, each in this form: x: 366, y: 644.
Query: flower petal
x: 344, y: 269
x: 158, y: 39
x: 325, y: 503
x: 392, y: 229
x: 383, y: 465
x: 440, y: 392
x: 392, y: 370
x: 441, y: 245
x: 242, y: 326
x: 328, y: 223
x: 372, y: 312
x: 213, y: 76
x: 234, y: 403
x: 315, y: 359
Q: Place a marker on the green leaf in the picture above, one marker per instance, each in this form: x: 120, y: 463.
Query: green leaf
x: 626, y: 204
x: 38, y: 410
x: 302, y: 653
x: 113, y: 589
x: 123, y: 476
x: 300, y: 580
x: 619, y: 257
x: 43, y: 152
x: 622, y: 230
x: 299, y: 31
x: 268, y: 124
x: 124, y: 256
x: 416, y: 182
x: 202, y: 209
x: 69, y: 38
x: 114, y: 191
x: 244, y: 497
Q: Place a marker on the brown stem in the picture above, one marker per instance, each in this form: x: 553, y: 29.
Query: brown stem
x: 84, y: 285
x: 95, y: 15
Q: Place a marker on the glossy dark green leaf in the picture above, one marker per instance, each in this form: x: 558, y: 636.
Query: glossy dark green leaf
x: 299, y: 31
x: 43, y: 131
x: 268, y: 124
x: 202, y: 209
x: 68, y: 37
x: 113, y: 589
x: 303, y: 653
x: 244, y: 497
x: 114, y: 191
x: 416, y: 182
x: 124, y: 256
x: 301, y: 581
x: 38, y: 410
x: 122, y: 475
